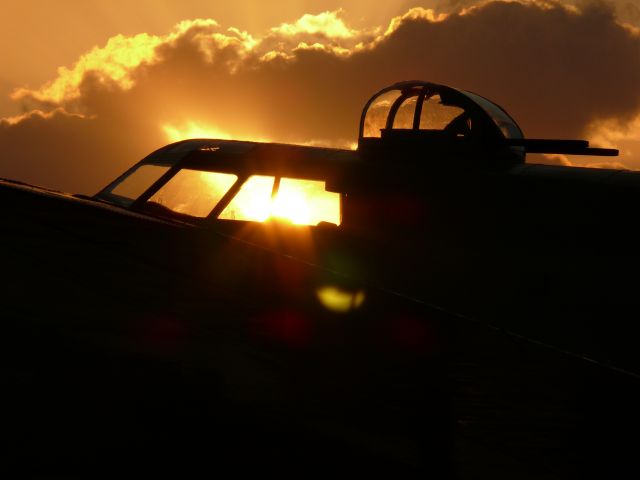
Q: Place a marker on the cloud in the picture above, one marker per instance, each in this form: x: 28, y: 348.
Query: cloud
x: 113, y: 63
x: 612, y: 165
x: 564, y: 161
x: 415, y: 13
x: 551, y: 159
x: 328, y: 24
x: 610, y: 132
x: 116, y: 62
x: 30, y: 149
x: 307, y: 81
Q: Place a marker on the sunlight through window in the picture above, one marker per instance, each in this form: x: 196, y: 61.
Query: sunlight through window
x: 301, y: 202
x: 193, y: 192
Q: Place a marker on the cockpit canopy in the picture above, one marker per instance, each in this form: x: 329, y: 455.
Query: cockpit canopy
x: 421, y: 117
x: 223, y: 181
x: 417, y: 110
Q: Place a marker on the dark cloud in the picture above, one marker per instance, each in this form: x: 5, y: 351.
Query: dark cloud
x: 627, y: 11
x: 555, y: 70
x: 65, y: 151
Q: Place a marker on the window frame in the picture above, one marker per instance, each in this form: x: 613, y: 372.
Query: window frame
x: 239, y: 158
x: 213, y: 216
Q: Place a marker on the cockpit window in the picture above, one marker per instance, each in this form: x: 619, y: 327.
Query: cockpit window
x: 377, y: 113
x: 294, y: 200
x: 137, y: 182
x: 405, y: 114
x: 306, y: 202
x: 193, y: 192
x: 437, y: 116
x: 253, y: 201
x: 415, y: 109
x: 505, y: 123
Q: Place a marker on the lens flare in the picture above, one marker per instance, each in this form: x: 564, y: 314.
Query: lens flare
x: 292, y: 206
x: 339, y: 300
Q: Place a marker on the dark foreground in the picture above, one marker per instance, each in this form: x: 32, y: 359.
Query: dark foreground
x: 131, y: 346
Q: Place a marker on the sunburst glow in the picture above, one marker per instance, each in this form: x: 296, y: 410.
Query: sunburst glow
x: 298, y: 201
x: 193, y: 130
x: 301, y: 202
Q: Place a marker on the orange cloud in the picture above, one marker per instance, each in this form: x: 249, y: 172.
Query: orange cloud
x: 563, y: 160
x: 416, y: 13
x: 115, y: 62
x: 118, y: 61
x: 610, y: 132
x: 327, y: 23
x: 14, y: 120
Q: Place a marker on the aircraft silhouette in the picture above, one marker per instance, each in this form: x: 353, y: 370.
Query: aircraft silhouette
x: 436, y: 199
x: 442, y: 288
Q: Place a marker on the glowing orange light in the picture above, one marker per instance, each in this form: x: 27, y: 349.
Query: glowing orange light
x: 193, y: 130
x: 193, y: 192
x: 301, y: 202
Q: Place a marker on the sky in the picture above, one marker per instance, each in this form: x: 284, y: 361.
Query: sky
x: 87, y: 88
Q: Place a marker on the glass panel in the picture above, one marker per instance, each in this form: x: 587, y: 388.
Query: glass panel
x: 139, y: 181
x: 301, y: 202
x: 376, y: 117
x: 253, y: 201
x: 404, y: 115
x: 435, y: 115
x: 505, y: 123
x: 306, y: 202
x: 193, y: 192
